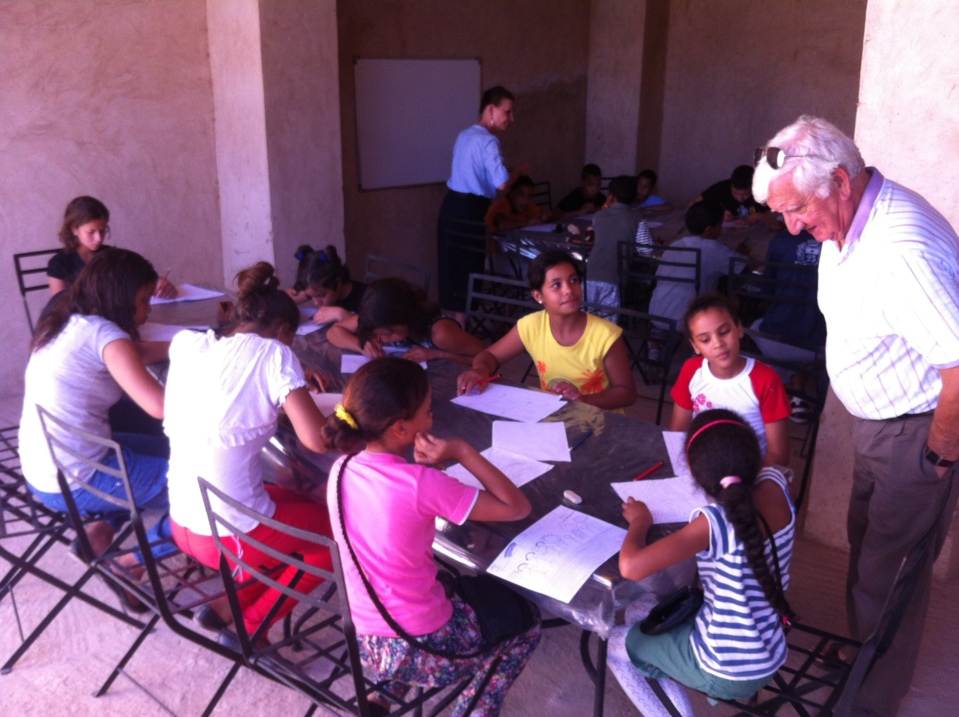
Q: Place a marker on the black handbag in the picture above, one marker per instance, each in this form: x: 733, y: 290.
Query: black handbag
x: 673, y: 611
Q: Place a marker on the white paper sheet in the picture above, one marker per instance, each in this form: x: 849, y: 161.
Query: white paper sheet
x: 307, y: 311
x: 676, y: 447
x: 350, y: 363
x: 539, y: 441
x: 544, y: 228
x: 308, y: 327
x: 558, y: 553
x: 670, y: 500
x: 519, y: 469
x: 326, y: 402
x: 164, y: 332
x: 518, y: 404
x: 188, y: 292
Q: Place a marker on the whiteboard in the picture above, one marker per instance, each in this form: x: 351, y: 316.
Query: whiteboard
x: 408, y: 114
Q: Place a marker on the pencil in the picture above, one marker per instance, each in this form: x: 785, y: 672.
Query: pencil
x: 582, y: 438
x: 162, y: 281
x: 649, y: 471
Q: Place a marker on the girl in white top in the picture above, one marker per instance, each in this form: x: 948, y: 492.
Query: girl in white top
x: 223, y: 400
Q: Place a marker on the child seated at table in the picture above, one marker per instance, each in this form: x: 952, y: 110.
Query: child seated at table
x: 645, y: 199
x: 386, y: 508
x: 704, y: 220
x: 578, y: 355
x: 224, y: 395
x: 736, y: 197
x: 324, y: 279
x: 587, y: 197
x: 735, y: 643
x: 718, y: 377
x: 615, y: 223
x: 517, y: 209
x: 395, y: 312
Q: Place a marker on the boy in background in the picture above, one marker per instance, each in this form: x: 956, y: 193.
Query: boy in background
x: 515, y: 210
x: 736, y: 197
x: 586, y: 197
x: 645, y: 199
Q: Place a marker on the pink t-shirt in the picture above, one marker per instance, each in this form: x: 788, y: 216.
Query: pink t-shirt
x: 390, y: 507
x: 756, y: 394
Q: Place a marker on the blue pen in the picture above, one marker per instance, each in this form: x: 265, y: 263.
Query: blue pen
x: 582, y: 438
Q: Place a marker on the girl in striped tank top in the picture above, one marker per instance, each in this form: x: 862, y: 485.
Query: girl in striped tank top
x: 735, y: 643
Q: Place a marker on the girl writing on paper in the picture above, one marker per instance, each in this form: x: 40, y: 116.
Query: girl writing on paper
x: 743, y: 545
x: 388, y: 507
x: 323, y: 279
x: 223, y: 399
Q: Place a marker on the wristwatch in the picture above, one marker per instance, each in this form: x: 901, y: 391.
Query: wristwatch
x: 937, y: 460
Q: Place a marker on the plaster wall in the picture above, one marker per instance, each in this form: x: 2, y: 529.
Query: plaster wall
x: 738, y: 70
x: 538, y: 49
x: 614, y: 83
x: 111, y: 99
x: 242, y: 166
x: 302, y: 99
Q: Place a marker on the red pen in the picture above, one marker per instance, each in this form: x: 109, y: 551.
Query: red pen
x: 649, y: 471
x: 486, y: 380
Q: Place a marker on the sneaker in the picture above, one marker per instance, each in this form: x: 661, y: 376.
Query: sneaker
x: 802, y: 410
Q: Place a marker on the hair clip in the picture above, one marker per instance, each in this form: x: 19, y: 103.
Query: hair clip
x: 301, y: 255
x: 324, y: 257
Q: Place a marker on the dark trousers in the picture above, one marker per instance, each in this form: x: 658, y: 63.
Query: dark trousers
x: 896, y: 498
x: 455, y: 264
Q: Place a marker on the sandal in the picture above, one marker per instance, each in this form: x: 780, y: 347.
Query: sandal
x: 127, y: 601
x: 833, y: 657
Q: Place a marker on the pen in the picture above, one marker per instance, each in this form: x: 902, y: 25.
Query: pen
x: 582, y: 438
x: 162, y: 281
x: 485, y: 380
x: 649, y: 471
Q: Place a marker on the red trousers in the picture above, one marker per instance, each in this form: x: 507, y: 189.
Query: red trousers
x: 256, y: 599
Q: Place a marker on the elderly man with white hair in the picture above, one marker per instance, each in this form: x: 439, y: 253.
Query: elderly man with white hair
x: 889, y: 289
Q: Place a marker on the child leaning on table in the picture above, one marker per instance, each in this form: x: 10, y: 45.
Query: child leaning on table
x: 735, y: 643
x: 578, y: 355
x: 324, y: 279
x: 388, y: 507
x: 719, y: 377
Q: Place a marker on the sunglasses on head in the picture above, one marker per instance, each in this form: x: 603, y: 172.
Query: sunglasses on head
x: 777, y: 157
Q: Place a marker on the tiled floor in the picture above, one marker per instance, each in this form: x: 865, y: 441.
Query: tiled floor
x: 58, y: 675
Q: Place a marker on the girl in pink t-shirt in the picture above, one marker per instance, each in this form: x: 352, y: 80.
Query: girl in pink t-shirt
x: 389, y: 508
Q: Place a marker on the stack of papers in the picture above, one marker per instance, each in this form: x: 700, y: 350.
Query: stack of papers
x: 518, y: 404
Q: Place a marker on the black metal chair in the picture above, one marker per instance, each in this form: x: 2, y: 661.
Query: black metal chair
x: 494, y: 304
x: 639, y: 331
x: 378, y: 267
x: 542, y: 195
x: 321, y: 659
x: 31, y: 268
x: 175, y: 584
x: 28, y: 532
x: 640, y: 273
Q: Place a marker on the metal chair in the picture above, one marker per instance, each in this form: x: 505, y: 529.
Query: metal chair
x: 31, y: 268
x: 321, y: 659
x: 639, y: 330
x: 28, y: 531
x: 378, y: 267
x: 176, y: 585
x: 494, y: 305
x: 640, y: 273
x: 542, y: 195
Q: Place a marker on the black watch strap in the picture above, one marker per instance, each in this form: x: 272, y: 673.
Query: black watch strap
x: 937, y: 460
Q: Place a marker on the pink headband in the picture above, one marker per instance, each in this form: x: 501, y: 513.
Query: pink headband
x: 730, y: 480
x: 710, y: 425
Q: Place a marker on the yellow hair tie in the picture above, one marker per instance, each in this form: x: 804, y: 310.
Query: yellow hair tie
x: 345, y: 416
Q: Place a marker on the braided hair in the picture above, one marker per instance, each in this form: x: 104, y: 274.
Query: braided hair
x: 719, y: 443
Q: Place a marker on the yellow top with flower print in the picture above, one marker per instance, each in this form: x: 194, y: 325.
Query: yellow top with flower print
x: 580, y: 364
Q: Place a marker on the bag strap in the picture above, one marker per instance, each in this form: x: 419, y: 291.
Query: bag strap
x: 786, y: 619
x: 384, y: 613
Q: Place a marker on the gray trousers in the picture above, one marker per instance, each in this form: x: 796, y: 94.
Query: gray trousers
x: 896, y: 498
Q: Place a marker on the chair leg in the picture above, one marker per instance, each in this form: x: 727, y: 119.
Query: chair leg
x: 147, y: 629
x: 221, y: 690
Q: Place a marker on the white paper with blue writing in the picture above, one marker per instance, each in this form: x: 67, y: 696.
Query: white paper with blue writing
x: 670, y: 500
x: 518, y: 404
x: 556, y: 555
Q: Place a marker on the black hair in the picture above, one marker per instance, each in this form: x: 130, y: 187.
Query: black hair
x: 702, y: 215
x: 742, y: 177
x: 650, y: 175
x: 107, y: 287
x: 720, y: 443
x: 80, y: 211
x: 536, y: 274
x: 590, y: 170
x: 705, y: 302
x: 494, y: 96
x: 259, y: 300
x: 623, y: 188
x: 524, y: 180
x: 379, y: 394
x: 321, y: 268
x: 391, y: 301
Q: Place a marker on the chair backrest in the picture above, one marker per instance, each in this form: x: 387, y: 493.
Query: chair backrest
x: 31, y: 268
x: 20, y: 512
x: 542, y: 195
x: 378, y: 267
x: 640, y: 272
x: 495, y: 304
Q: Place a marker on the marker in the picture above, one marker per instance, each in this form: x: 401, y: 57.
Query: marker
x: 485, y: 380
x: 582, y: 438
x: 649, y: 471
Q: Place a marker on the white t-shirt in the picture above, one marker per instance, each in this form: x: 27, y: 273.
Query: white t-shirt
x: 70, y: 380
x: 223, y: 399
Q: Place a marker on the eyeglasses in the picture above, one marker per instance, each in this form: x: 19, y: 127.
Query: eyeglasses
x: 777, y: 157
